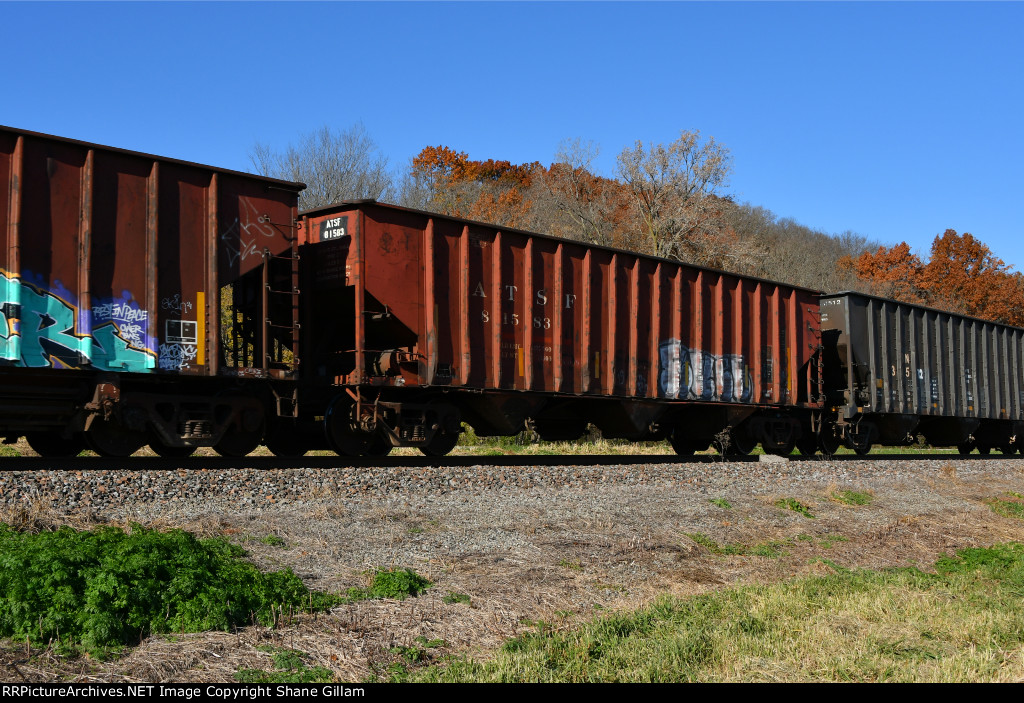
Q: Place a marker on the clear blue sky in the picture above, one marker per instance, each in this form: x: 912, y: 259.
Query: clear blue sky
x: 894, y: 120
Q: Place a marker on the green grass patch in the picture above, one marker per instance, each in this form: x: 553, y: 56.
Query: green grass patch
x: 273, y: 541
x: 454, y: 597
x: 409, y: 657
x: 794, y: 505
x: 852, y: 497
x: 105, y: 588
x: 721, y: 503
x: 289, y: 667
x: 961, y: 623
x: 831, y: 564
x: 771, y: 550
x: 392, y: 583
x: 1012, y: 505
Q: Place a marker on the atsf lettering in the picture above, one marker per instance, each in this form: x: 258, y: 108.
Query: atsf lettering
x: 334, y: 228
x: 508, y: 294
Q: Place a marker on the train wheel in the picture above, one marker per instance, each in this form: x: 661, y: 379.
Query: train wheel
x: 112, y: 439
x: 167, y: 452
x: 860, y: 440
x: 284, y: 447
x: 681, y: 446
x: 965, y: 448
x: 344, y: 440
x: 736, y: 444
x: 52, y: 445
x: 861, y: 445
x: 440, y: 444
x: 686, y: 446
x: 807, y: 445
x: 984, y: 449
x: 1008, y: 449
x: 828, y: 442
x: 378, y: 446
x: 245, y: 437
x: 283, y: 441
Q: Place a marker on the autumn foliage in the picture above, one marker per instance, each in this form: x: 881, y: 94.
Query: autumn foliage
x: 962, y: 275
x: 663, y: 205
x: 492, y: 191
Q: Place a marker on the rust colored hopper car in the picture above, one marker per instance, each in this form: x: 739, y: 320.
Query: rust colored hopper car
x: 116, y: 271
x: 415, y: 322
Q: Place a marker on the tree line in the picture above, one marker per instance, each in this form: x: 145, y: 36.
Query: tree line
x: 664, y: 199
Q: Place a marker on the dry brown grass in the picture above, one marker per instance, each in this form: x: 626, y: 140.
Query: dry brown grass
x: 559, y: 570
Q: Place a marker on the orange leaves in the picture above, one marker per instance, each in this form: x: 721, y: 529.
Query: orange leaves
x: 964, y: 273
x: 516, y: 175
x: 508, y: 208
x: 442, y: 166
x: 961, y: 276
x: 893, y: 273
x: 485, y: 190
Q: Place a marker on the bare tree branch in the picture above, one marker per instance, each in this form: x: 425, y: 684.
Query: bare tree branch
x: 335, y: 166
x: 672, y: 189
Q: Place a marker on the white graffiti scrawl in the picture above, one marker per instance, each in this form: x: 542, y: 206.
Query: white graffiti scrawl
x: 175, y: 303
x: 694, y: 374
x: 130, y: 320
x: 242, y: 239
x: 176, y: 356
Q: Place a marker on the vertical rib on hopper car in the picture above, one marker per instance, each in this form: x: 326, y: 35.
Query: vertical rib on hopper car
x: 114, y: 268
x: 426, y: 321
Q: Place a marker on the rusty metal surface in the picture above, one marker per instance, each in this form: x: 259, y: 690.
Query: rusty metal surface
x: 902, y: 358
x: 115, y: 260
x: 480, y: 307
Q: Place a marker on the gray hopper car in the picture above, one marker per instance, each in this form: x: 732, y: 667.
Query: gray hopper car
x: 895, y: 370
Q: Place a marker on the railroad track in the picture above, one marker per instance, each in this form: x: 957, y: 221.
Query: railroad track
x: 331, y: 462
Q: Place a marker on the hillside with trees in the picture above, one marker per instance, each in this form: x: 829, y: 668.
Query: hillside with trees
x: 664, y: 199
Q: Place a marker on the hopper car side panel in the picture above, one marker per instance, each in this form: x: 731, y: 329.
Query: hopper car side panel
x: 493, y: 309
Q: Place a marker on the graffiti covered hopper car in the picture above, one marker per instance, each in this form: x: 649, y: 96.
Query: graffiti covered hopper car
x: 415, y: 322
x: 115, y: 268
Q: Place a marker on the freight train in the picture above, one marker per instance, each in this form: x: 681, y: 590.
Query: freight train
x: 150, y: 301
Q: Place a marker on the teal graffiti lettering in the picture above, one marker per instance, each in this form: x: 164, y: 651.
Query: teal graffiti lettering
x: 38, y: 328
x: 113, y: 352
